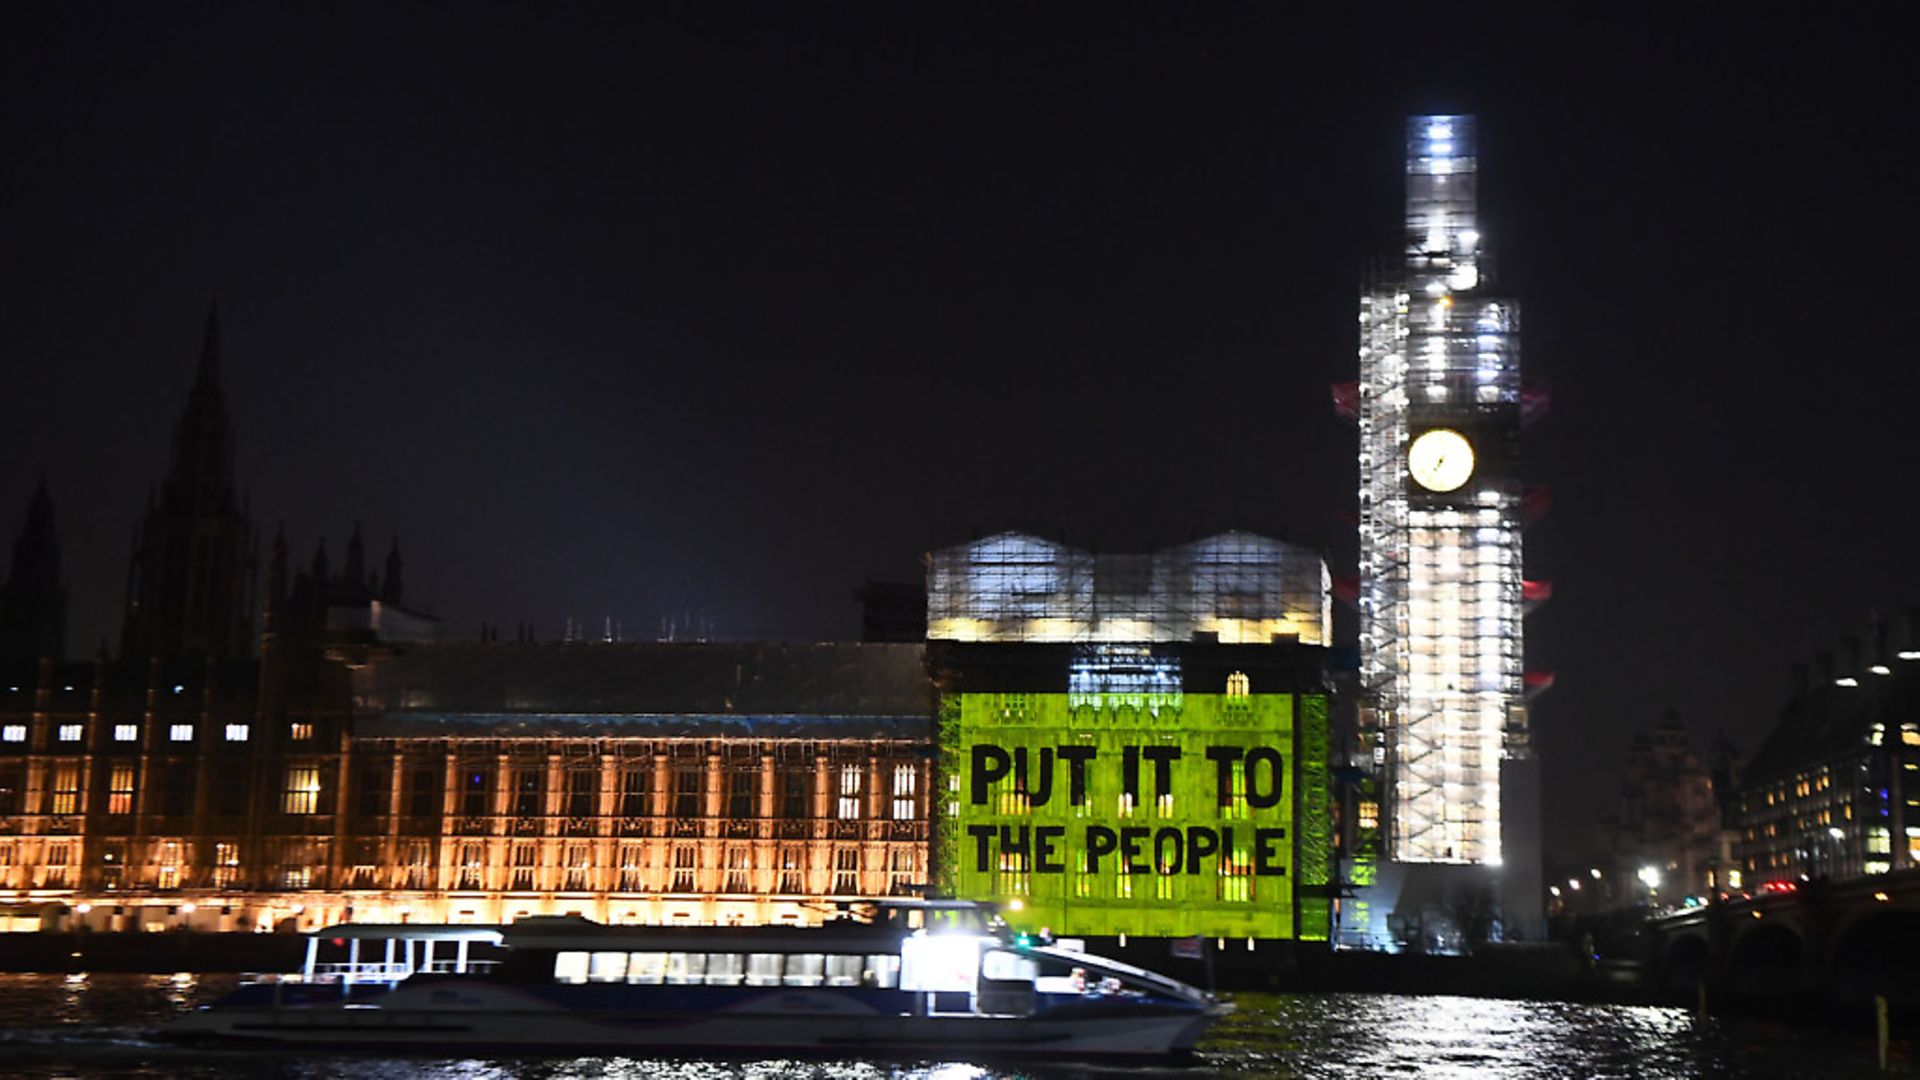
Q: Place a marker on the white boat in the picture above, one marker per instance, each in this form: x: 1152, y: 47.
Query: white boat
x: 931, y: 979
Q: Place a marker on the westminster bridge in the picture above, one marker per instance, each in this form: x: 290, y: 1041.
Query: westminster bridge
x: 1839, y: 941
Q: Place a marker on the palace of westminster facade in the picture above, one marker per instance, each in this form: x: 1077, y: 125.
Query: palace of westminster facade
x: 338, y: 765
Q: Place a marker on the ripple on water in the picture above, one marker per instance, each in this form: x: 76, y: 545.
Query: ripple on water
x: 56, y: 1026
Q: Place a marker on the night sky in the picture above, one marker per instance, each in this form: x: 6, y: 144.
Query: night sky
x: 721, y: 310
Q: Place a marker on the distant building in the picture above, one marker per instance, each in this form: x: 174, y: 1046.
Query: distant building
x: 1834, y: 792
x: 1666, y: 825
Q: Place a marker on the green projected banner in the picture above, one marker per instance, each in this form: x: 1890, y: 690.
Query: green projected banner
x: 1170, y: 820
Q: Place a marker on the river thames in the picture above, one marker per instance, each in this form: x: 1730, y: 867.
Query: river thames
x: 98, y: 1025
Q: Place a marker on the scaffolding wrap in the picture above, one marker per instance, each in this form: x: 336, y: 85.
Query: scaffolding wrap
x: 1236, y: 588
x: 1440, y: 570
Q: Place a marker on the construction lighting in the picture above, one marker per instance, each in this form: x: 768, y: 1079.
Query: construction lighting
x: 1846, y: 680
x: 1881, y: 669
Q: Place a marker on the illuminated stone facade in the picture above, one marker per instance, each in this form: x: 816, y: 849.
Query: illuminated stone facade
x: 657, y: 784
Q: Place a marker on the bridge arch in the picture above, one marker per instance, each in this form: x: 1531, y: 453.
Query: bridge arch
x: 1765, y: 957
x: 1877, y: 952
x: 1686, y: 960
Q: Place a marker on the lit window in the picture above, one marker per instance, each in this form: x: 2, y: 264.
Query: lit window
x: 904, y: 780
x: 236, y: 732
x: 1368, y: 814
x: 66, y: 789
x: 126, y: 732
x: 180, y: 732
x: 13, y: 733
x: 226, y: 865
x: 302, y: 795
x: 301, y: 731
x: 70, y: 732
x: 120, y: 789
x: 849, y: 806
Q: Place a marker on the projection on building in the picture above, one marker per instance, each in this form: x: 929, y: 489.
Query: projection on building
x: 1171, y: 817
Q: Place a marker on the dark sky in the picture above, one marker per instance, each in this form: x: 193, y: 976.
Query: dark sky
x: 723, y: 309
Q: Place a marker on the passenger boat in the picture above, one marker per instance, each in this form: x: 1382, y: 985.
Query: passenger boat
x: 927, y: 979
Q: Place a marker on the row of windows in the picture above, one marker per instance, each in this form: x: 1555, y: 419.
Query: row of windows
x: 300, y: 795
x: 728, y: 969
x: 298, y: 731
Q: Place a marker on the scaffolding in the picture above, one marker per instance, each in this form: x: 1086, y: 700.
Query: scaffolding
x: 1234, y: 588
x: 1440, y: 571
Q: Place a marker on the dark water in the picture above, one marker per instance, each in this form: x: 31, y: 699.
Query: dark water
x: 60, y: 1026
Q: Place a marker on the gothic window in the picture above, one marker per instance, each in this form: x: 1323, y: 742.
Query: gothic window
x: 168, y: 857
x: 796, y: 793
x: 371, y: 798
x: 905, y: 780
x: 59, y: 861
x: 476, y: 791
x: 226, y: 864
x: 583, y: 792
x: 636, y: 789
x: 684, y: 861
x: 530, y: 791
x: 302, y: 793
x: 633, y: 868
x: 848, y: 807
x: 846, y: 872
x: 472, y: 868
x: 743, y: 789
x: 424, y: 795
x: 686, y: 792
x: 526, y: 862
x: 792, y: 870
x: 738, y: 863
x: 579, y: 868
x: 901, y: 872
x: 64, y: 798
x: 120, y: 788
x: 419, y: 864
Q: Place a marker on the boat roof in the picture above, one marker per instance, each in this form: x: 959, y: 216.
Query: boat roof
x: 410, y: 932
x: 562, y: 932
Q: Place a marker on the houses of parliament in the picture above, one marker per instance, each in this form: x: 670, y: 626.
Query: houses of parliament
x: 290, y: 749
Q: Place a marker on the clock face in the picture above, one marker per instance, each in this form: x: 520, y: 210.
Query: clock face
x: 1440, y: 459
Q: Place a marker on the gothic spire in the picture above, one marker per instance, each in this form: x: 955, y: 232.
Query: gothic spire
x: 353, y: 575
x: 391, y: 587
x: 200, y: 480
x: 33, y: 600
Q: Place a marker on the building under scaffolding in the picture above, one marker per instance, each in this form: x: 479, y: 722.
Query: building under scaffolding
x: 1235, y: 589
x: 1439, y: 409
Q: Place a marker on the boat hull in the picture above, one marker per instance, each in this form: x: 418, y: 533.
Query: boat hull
x: 489, y: 1018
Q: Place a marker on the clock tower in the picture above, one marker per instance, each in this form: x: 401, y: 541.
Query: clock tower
x: 1439, y: 405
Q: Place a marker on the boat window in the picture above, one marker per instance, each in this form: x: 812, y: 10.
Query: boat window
x: 844, y: 970
x: 647, y: 967
x: 804, y: 969
x: 570, y: 967
x: 763, y: 969
x: 725, y: 968
x: 607, y: 967
x: 1001, y: 965
x: 883, y: 970
x: 684, y: 968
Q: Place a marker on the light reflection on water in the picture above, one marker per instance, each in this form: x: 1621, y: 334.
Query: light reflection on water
x: 58, y: 1026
